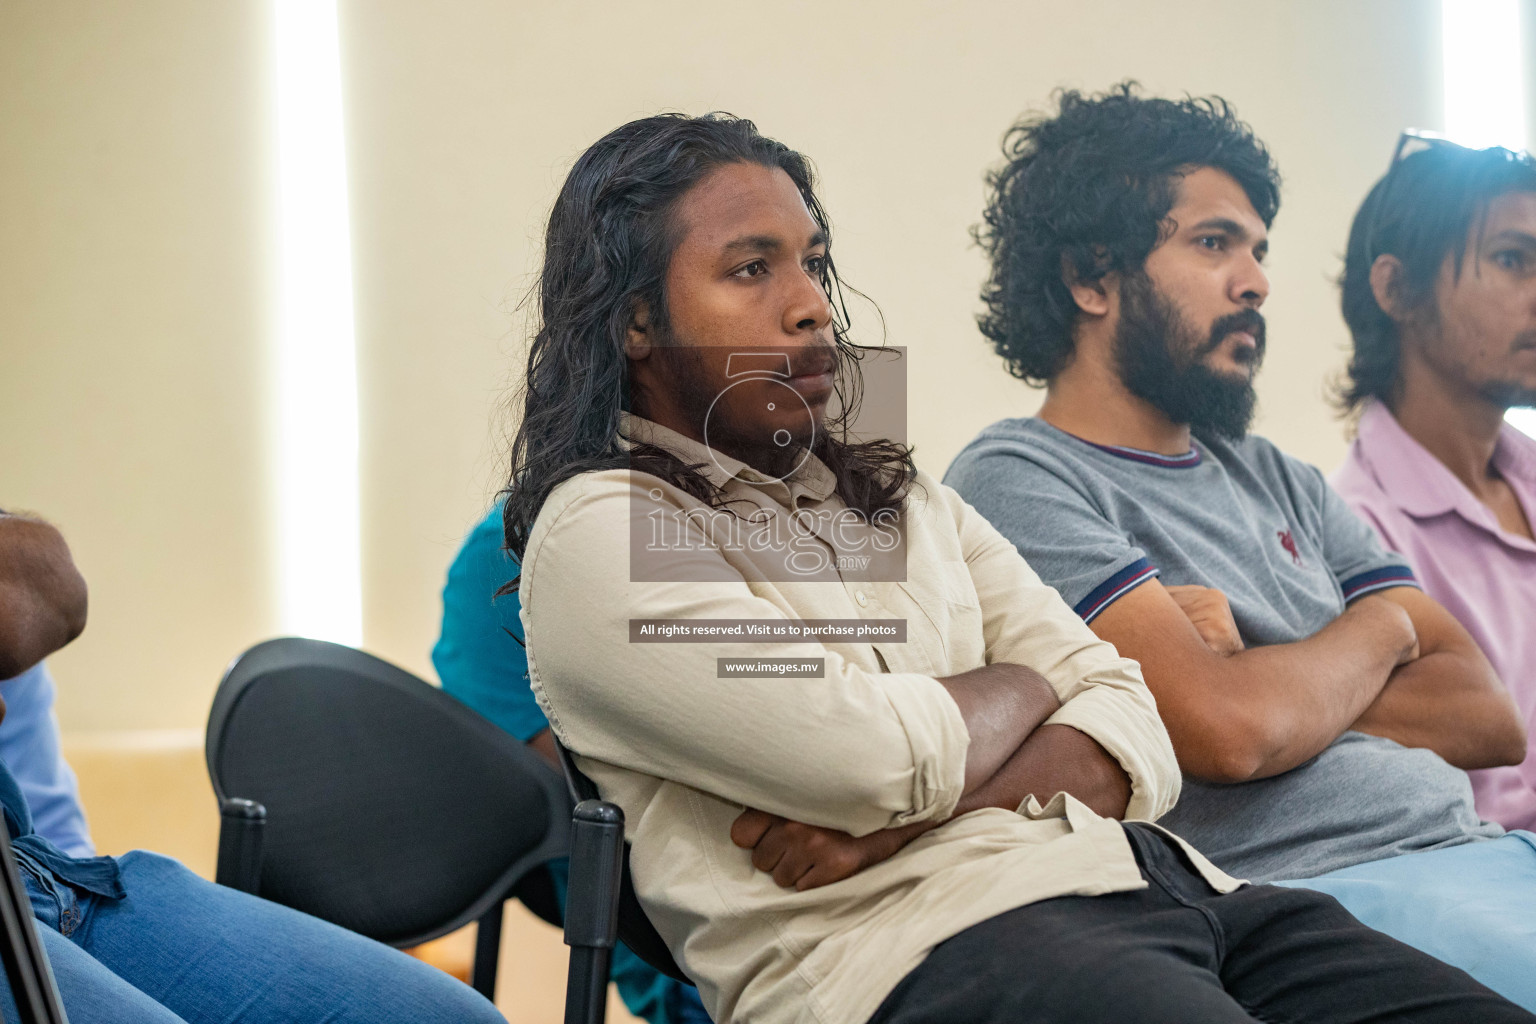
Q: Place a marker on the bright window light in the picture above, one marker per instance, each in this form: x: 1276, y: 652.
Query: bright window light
x: 319, y: 565
x: 1484, y: 83
x: 1485, y: 89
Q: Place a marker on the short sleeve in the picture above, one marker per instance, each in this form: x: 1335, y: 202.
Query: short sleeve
x: 1055, y: 524
x: 1352, y: 550
x: 479, y: 655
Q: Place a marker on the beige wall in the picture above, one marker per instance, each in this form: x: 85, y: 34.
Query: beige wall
x: 133, y: 313
x: 133, y: 247
x: 464, y: 118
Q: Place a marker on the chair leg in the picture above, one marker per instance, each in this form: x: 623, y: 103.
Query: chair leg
x: 592, y: 907
x: 487, y: 952
x: 586, y: 986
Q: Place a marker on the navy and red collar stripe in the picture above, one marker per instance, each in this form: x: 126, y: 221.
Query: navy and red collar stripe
x: 1188, y: 460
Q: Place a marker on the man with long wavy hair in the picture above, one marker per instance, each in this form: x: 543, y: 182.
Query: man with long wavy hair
x: 877, y: 774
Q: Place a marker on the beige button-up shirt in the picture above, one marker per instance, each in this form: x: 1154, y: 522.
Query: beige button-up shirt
x: 874, y: 742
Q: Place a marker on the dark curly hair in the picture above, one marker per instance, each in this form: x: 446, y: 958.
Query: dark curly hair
x: 610, y: 240
x: 1421, y: 211
x: 1087, y: 193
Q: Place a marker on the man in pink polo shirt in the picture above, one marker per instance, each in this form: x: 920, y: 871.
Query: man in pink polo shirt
x: 1439, y: 291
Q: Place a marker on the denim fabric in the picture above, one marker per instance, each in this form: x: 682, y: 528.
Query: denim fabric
x: 179, y: 949
x: 94, y: 874
x: 1473, y: 906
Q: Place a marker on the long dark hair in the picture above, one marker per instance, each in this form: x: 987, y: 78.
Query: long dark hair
x: 1086, y: 193
x: 610, y: 239
x: 1421, y: 211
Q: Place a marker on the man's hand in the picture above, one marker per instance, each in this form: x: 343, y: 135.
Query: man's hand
x: 42, y: 595
x: 1211, y: 616
x: 1395, y: 617
x: 804, y: 857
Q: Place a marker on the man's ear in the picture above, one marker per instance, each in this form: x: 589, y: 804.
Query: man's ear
x: 637, y: 339
x: 1387, y: 286
x: 1092, y: 297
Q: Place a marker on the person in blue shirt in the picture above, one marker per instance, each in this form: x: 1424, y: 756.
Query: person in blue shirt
x: 480, y: 659
x: 29, y: 744
x: 139, y: 939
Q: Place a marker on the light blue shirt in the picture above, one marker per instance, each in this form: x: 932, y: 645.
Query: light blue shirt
x: 29, y: 745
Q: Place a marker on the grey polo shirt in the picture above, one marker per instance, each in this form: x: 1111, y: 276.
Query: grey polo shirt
x: 1096, y: 521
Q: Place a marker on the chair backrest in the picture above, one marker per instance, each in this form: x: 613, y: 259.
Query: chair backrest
x: 392, y: 809
x: 635, y: 929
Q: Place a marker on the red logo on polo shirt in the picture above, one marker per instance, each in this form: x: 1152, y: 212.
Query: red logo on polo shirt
x: 1289, y: 543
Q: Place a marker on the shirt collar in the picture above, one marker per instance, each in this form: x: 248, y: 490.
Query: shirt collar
x: 1414, y: 479
x: 1515, y: 457
x: 1419, y: 483
x: 811, y: 479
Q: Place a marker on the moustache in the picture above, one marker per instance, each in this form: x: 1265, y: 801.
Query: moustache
x: 1248, y: 321
x: 819, y: 358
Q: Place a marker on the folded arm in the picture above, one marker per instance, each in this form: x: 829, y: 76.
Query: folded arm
x: 1104, y: 744
x: 42, y: 594
x: 1259, y: 711
x: 1055, y: 759
x: 1448, y: 699
x: 858, y: 750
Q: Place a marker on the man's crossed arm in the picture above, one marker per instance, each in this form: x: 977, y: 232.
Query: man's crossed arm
x: 1395, y: 665
x: 1013, y: 755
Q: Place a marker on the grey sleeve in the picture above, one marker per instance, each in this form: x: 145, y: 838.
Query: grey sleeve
x: 1351, y: 548
x: 1055, y: 524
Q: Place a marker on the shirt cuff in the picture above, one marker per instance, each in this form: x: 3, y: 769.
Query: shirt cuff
x: 1383, y: 578
x: 1121, y: 583
x: 938, y: 740
x: 1138, y: 742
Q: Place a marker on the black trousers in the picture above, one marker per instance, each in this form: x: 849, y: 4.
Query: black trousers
x: 1180, y: 953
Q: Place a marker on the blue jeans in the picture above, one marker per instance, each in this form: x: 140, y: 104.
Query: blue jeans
x: 1472, y: 906
x: 181, y: 950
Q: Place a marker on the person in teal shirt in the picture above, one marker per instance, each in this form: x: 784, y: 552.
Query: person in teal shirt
x: 480, y: 659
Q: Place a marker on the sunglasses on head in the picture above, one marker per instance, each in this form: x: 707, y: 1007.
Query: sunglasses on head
x: 1417, y: 140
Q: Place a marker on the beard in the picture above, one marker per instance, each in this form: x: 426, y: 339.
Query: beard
x: 1159, y: 359
x: 695, y: 391
x: 1445, y: 351
x: 1507, y: 395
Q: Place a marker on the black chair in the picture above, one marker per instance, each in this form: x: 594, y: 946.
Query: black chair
x: 26, y: 968
x: 354, y: 791
x: 600, y: 904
